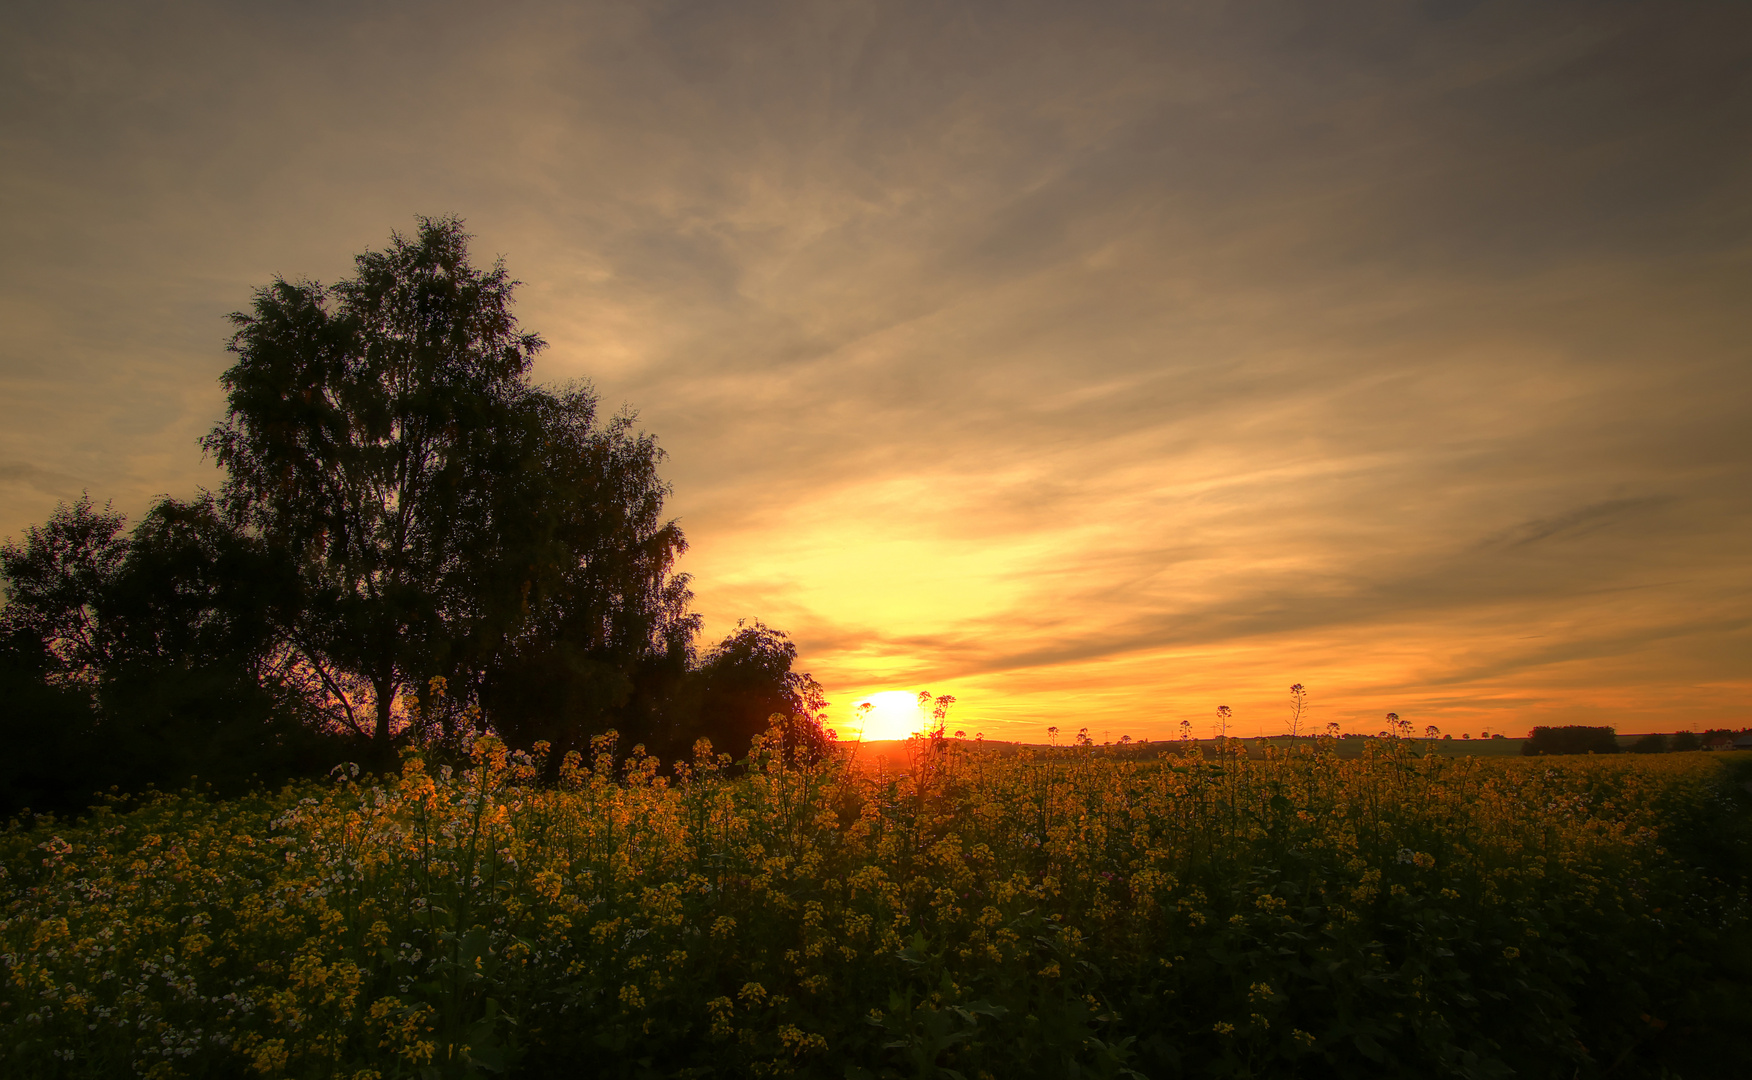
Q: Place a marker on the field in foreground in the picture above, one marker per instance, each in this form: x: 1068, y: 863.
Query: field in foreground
x: 971, y: 914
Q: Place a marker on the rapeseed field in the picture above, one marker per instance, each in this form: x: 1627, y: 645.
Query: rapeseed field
x: 1062, y: 913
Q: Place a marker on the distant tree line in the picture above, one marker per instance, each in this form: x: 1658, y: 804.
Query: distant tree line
x: 1604, y: 740
x: 1573, y: 739
x: 413, y: 541
x: 1661, y: 744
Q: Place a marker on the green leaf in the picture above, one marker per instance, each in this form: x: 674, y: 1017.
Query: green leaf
x: 1371, y: 1049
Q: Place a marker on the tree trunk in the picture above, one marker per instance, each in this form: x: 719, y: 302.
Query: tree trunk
x: 380, y: 744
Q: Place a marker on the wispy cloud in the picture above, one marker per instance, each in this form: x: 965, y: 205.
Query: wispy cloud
x: 1098, y: 361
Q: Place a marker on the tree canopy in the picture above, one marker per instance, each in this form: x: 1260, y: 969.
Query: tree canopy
x: 146, y: 657
x: 362, y: 436
x: 413, y: 538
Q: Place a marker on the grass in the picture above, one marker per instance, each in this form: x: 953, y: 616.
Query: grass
x: 962, y: 911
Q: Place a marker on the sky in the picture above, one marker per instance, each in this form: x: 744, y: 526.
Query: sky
x: 1096, y: 364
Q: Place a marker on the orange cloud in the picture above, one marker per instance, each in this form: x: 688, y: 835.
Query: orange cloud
x: 1097, y: 367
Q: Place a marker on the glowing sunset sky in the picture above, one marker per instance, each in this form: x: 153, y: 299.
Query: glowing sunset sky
x: 1095, y: 363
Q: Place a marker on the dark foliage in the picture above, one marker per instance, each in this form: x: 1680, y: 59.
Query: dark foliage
x: 746, y: 681
x: 51, y: 733
x: 362, y: 434
x: 1685, y: 740
x: 54, y: 581
x: 1650, y: 744
x: 1571, y: 740
x: 149, y: 658
x: 413, y: 541
x: 447, y: 517
x: 568, y: 615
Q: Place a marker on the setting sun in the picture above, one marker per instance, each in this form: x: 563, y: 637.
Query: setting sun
x: 892, y: 714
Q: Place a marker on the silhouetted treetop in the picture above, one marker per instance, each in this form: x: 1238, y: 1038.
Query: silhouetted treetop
x: 413, y: 540
x: 449, y: 517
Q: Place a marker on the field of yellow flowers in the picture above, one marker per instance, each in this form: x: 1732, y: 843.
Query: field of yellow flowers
x: 1057, y: 913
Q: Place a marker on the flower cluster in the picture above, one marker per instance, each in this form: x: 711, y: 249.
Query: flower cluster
x: 988, y: 910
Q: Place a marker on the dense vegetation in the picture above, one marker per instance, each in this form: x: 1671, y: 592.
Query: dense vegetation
x: 1055, y: 913
x: 1573, y: 739
x: 402, y: 504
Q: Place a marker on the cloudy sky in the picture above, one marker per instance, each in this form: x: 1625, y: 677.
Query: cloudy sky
x: 1096, y: 363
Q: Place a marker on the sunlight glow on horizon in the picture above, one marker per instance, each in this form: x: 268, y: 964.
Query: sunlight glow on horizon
x: 893, y: 714
x: 1095, y: 392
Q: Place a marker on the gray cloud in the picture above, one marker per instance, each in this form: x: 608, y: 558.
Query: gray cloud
x: 1167, y: 327
x: 40, y: 480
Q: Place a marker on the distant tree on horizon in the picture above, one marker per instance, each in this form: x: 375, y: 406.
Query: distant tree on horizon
x: 1573, y: 739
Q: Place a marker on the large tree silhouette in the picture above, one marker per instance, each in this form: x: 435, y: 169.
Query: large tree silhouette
x: 401, y: 503
x: 569, y: 615
x: 447, y: 516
